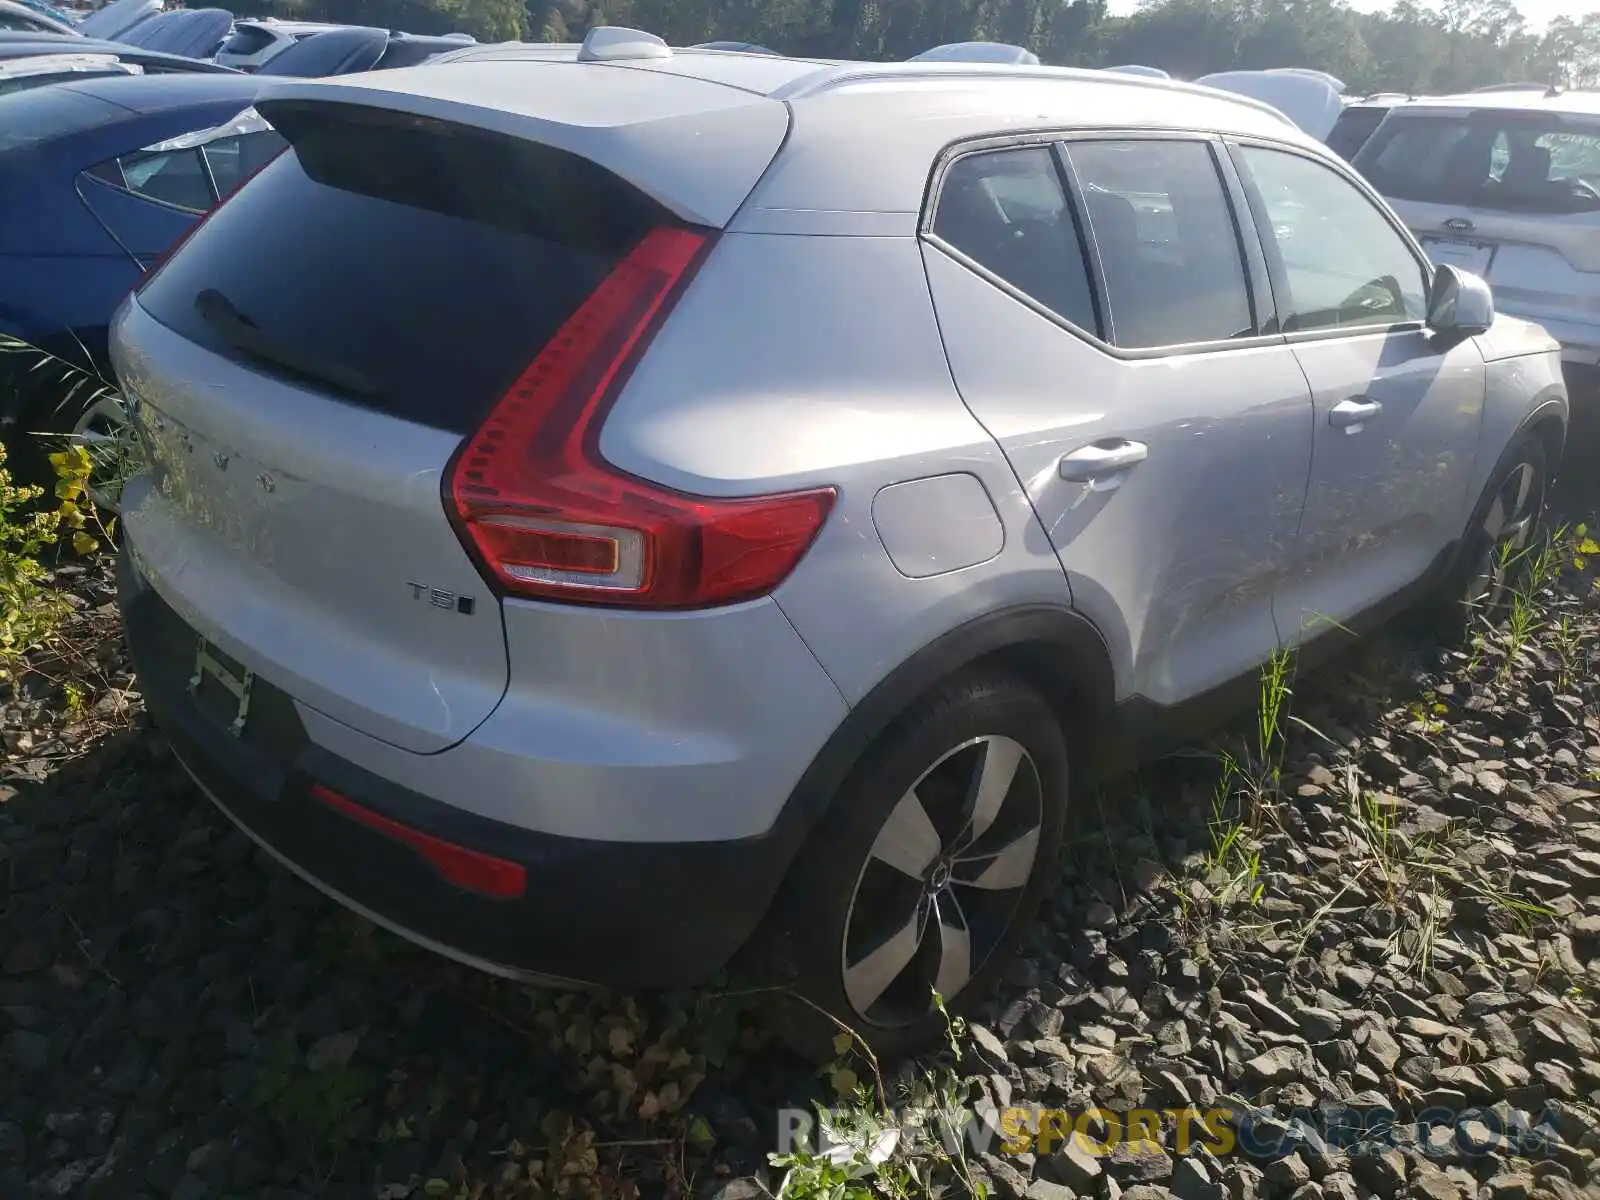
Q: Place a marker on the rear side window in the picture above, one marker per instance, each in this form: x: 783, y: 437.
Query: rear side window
x: 1007, y: 211
x: 1511, y: 161
x: 431, y: 262
x: 1173, y: 266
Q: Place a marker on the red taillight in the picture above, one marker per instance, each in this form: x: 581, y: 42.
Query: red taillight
x: 546, y: 517
x: 470, y: 869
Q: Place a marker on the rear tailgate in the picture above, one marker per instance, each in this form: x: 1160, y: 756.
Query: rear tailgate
x: 306, y: 365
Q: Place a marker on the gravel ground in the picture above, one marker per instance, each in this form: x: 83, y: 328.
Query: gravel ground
x: 1408, y: 919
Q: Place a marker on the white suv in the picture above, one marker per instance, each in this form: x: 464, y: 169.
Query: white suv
x: 1506, y: 183
x: 610, y: 503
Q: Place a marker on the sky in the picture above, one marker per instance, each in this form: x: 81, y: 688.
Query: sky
x: 1539, y: 13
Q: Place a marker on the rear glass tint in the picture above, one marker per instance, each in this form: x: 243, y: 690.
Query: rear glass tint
x: 1506, y: 160
x: 431, y: 262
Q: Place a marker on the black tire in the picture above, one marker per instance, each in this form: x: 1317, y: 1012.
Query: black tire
x: 842, y: 890
x: 1493, y: 558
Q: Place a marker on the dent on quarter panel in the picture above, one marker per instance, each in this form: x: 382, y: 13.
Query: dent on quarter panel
x: 939, y: 524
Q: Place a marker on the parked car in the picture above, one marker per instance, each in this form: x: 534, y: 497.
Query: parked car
x: 255, y: 40
x: 19, y: 18
x: 473, y: 579
x: 93, y: 190
x: 1308, y: 98
x: 1507, y: 185
x: 349, y: 49
x: 41, y: 70
x: 118, y: 17
x: 59, y: 15
x: 151, y: 62
x: 739, y: 47
x: 192, y: 32
x: 1138, y: 69
x: 1359, y: 121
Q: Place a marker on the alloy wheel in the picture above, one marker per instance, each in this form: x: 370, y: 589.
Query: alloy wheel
x: 942, y: 881
x: 1508, y: 527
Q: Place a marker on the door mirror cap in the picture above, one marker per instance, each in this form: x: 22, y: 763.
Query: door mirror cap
x: 1460, y: 303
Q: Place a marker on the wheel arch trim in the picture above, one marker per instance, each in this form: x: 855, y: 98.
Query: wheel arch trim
x: 1048, y: 646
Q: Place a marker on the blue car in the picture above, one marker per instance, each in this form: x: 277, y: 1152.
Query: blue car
x: 98, y: 180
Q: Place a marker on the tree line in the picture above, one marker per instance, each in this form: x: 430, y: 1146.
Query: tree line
x: 1408, y: 48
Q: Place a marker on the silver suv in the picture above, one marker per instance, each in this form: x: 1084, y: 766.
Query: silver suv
x: 611, y: 505
x: 1506, y: 183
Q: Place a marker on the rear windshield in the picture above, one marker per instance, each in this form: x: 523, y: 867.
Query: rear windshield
x: 1351, y: 131
x: 1511, y: 161
x: 422, y: 265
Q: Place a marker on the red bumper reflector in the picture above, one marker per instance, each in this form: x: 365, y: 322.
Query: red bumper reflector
x: 468, y: 869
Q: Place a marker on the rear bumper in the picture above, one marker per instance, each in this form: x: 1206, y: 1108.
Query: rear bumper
x: 621, y: 914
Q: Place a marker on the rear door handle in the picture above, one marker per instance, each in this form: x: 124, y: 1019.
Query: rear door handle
x: 1099, y: 459
x: 1353, y: 412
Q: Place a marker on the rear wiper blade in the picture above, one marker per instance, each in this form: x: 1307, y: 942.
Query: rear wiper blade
x: 217, y: 311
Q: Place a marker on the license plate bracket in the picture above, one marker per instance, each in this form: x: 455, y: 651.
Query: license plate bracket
x: 212, y: 663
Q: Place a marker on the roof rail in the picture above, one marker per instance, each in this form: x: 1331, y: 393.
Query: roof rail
x: 979, y: 52
x: 1512, y: 87
x: 825, y: 79
x: 610, y: 43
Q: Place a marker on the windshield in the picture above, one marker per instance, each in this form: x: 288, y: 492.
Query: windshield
x: 1511, y: 161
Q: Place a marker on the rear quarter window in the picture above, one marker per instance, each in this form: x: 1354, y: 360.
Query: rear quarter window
x: 175, y: 177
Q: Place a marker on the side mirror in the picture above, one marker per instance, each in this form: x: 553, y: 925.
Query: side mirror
x: 1460, y: 304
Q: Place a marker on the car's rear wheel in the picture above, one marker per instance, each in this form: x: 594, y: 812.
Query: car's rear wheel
x: 1499, y: 540
x: 935, y: 853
